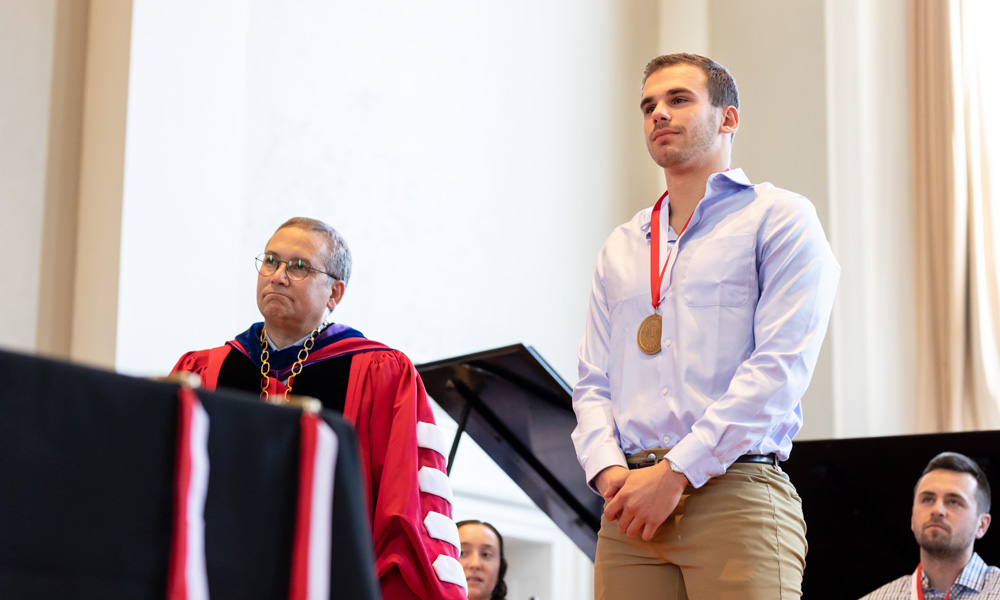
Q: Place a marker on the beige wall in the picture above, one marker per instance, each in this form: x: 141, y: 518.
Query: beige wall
x: 57, y: 267
x: 40, y: 116
x: 61, y: 156
x: 102, y: 169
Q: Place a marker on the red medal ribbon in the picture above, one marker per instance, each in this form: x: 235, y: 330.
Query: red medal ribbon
x: 654, y: 252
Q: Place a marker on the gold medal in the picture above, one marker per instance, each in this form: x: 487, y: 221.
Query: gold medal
x: 649, y: 333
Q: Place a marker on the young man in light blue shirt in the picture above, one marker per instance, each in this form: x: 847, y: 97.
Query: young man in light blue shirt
x: 706, y: 318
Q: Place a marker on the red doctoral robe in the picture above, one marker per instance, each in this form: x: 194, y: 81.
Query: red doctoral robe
x: 403, y: 463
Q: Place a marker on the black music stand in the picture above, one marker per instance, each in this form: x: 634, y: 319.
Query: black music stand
x: 519, y: 411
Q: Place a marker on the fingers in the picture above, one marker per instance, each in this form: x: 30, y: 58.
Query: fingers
x: 632, y: 521
x: 607, y: 502
x: 613, y: 509
x: 648, y: 531
x: 623, y: 523
x: 635, y: 527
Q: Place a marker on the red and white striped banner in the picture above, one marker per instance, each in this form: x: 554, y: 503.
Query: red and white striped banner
x: 310, y: 578
x: 186, y: 579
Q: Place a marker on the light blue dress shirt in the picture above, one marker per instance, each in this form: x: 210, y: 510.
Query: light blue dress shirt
x: 745, y: 300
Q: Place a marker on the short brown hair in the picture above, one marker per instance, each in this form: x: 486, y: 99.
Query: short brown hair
x: 338, y: 259
x: 960, y: 463
x: 722, y: 90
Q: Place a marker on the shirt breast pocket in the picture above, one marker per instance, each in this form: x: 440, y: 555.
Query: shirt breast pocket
x: 721, y: 272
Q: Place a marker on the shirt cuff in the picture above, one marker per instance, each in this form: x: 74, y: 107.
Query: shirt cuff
x: 697, y: 463
x: 602, y: 459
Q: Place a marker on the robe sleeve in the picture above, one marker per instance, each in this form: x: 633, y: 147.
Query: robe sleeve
x: 203, y: 363
x: 191, y: 362
x: 416, y: 541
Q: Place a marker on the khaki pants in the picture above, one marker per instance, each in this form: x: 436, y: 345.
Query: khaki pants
x: 741, y: 536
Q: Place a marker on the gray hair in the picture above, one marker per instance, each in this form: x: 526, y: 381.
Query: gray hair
x: 338, y: 259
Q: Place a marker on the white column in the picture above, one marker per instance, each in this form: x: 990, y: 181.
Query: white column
x: 870, y: 168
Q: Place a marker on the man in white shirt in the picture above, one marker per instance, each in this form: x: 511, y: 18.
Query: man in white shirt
x: 951, y: 510
x: 706, y: 318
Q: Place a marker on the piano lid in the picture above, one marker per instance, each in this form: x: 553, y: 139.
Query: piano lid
x: 519, y: 411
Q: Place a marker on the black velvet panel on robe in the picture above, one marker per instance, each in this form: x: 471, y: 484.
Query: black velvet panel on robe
x: 325, y: 380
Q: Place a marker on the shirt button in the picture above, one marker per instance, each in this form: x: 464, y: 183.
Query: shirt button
x: 666, y: 440
x: 668, y: 342
x: 666, y: 392
x: 670, y: 295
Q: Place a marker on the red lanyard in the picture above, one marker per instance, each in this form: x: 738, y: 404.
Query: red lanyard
x: 917, y: 587
x: 654, y: 252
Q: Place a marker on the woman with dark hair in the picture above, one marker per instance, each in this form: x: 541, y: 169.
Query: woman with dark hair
x: 483, y: 560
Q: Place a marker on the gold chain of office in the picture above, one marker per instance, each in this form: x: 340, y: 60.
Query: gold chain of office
x: 265, y: 366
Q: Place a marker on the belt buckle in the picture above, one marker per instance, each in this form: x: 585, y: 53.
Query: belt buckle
x: 649, y: 461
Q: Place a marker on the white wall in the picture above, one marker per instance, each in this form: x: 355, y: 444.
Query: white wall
x: 186, y: 260
x: 474, y: 156
x: 467, y: 165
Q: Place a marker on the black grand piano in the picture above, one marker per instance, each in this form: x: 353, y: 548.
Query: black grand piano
x: 856, y: 493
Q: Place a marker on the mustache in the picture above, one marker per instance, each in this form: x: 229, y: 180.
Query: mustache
x: 661, y: 126
x: 937, y: 523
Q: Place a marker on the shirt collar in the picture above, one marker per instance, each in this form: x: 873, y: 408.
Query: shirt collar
x: 972, y: 577
x: 719, y: 186
x: 300, y: 342
x: 717, y: 182
x: 722, y: 180
x: 736, y: 175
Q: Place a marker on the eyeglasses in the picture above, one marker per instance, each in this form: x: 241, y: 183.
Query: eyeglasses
x: 296, y: 268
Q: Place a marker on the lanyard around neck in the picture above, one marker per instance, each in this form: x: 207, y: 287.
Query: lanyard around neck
x: 654, y: 252
x: 917, y: 586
